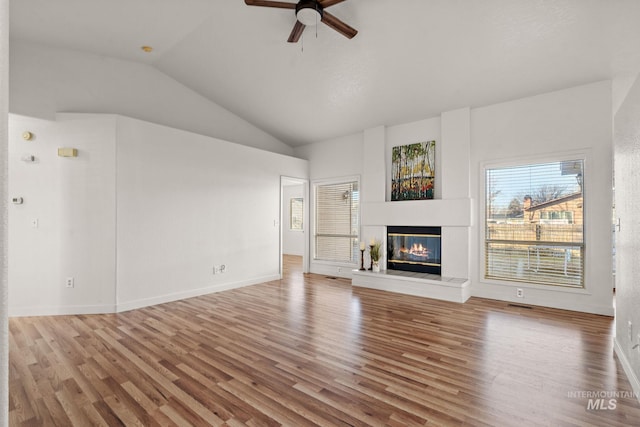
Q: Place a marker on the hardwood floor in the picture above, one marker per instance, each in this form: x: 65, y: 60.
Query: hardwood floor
x: 310, y: 350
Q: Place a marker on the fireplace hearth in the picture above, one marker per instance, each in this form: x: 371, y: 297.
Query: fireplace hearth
x: 416, y: 249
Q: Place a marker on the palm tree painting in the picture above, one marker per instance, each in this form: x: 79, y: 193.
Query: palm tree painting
x: 413, y: 171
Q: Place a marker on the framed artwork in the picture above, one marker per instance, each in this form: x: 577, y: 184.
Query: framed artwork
x: 413, y: 171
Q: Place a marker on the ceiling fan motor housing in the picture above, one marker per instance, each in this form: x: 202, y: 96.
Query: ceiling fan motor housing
x: 309, y: 12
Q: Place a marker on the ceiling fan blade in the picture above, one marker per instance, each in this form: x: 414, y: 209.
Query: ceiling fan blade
x: 326, y: 3
x: 338, y: 25
x: 279, y: 4
x: 298, y: 28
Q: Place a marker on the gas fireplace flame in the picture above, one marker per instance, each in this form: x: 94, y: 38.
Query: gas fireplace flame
x: 416, y: 250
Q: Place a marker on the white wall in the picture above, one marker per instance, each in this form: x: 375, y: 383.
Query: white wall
x: 575, y: 120
x: 540, y: 127
x: 4, y: 107
x: 47, y: 80
x: 627, y: 196
x: 293, y: 241
x: 141, y: 216
x: 333, y: 158
x: 73, y: 201
x: 185, y: 203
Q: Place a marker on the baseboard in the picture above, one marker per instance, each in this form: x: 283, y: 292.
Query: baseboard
x: 331, y: 270
x: 61, y: 310
x: 628, y: 370
x: 132, y: 305
x: 161, y: 299
x: 573, y: 305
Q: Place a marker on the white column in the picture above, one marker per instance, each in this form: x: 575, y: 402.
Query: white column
x: 456, y: 153
x: 373, y: 165
x: 374, y: 184
x: 455, y: 165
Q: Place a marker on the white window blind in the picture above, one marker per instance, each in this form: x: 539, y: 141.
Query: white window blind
x: 534, y: 228
x: 337, y: 221
x: 296, y: 209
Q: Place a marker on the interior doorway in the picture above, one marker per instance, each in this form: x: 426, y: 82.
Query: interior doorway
x: 294, y: 221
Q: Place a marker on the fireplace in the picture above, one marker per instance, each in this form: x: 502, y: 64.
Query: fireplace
x: 413, y: 249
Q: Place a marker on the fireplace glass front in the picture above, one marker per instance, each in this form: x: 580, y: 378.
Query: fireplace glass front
x: 414, y: 249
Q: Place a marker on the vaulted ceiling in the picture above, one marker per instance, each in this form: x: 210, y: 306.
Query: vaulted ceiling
x: 411, y: 59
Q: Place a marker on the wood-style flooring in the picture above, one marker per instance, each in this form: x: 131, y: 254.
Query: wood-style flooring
x: 312, y: 350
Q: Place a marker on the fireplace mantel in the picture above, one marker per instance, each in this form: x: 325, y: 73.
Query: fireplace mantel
x: 438, y: 212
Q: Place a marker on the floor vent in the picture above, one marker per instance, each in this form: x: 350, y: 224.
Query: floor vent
x: 330, y: 277
x: 521, y: 306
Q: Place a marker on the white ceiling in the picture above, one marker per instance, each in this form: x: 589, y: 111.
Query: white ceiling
x: 412, y: 59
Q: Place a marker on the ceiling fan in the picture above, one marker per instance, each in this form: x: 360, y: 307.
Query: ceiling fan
x: 308, y: 13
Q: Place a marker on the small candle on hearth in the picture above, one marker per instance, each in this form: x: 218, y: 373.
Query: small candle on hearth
x: 362, y: 246
x: 372, y: 242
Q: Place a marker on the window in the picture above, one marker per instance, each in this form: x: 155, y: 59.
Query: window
x: 337, y: 207
x: 557, y: 217
x: 534, y: 227
x: 296, y: 210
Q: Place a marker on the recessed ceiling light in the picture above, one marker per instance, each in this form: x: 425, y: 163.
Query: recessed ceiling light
x: 147, y: 48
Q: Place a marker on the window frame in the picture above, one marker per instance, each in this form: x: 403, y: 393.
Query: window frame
x: 313, y: 218
x: 482, y: 206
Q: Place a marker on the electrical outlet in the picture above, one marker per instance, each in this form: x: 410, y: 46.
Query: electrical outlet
x: 223, y: 268
x: 519, y: 293
x: 70, y: 283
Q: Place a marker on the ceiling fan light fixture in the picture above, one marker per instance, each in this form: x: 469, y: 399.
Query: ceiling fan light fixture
x: 309, y: 12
